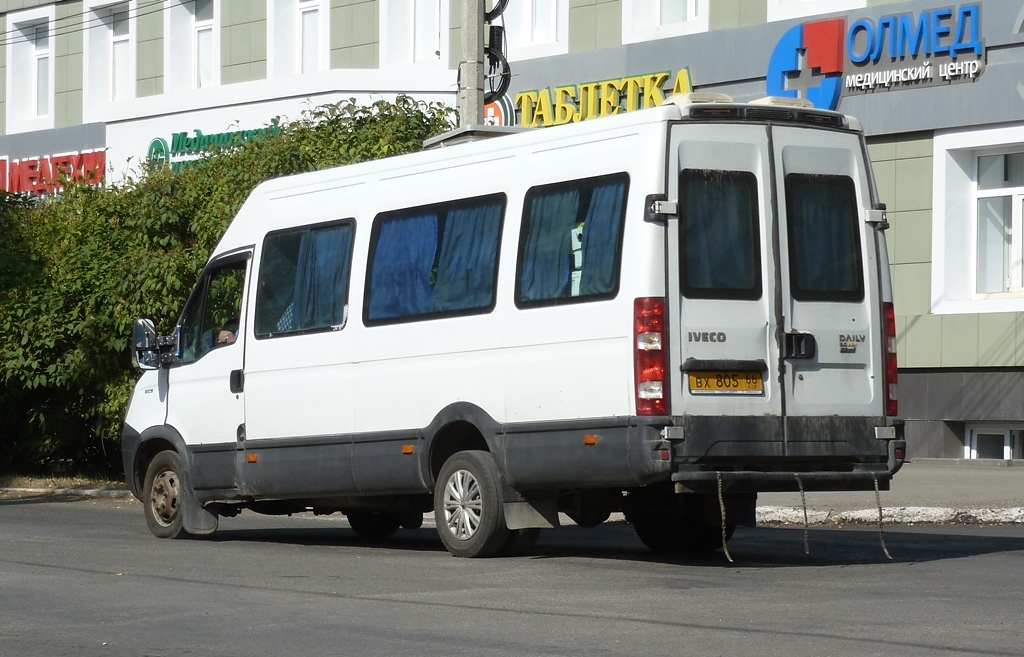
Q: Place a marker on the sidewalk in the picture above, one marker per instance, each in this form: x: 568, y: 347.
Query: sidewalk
x: 928, y: 490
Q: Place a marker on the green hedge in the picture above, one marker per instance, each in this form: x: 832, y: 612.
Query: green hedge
x: 76, y: 269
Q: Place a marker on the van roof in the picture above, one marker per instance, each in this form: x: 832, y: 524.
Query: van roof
x: 697, y: 107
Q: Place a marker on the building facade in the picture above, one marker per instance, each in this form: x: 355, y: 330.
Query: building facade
x: 94, y: 87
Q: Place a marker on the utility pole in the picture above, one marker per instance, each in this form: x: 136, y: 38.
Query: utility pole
x: 471, y: 68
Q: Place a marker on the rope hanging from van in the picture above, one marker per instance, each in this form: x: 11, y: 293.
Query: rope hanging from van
x: 803, y: 501
x: 881, y: 533
x: 721, y: 509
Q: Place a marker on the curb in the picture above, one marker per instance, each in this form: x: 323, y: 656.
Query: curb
x: 899, y: 515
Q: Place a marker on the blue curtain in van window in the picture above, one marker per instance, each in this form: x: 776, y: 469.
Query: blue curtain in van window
x: 402, y: 262
x: 822, y: 228
x: 547, y: 256
x: 718, y: 234
x: 601, y: 239
x: 465, y: 268
x: 325, y: 279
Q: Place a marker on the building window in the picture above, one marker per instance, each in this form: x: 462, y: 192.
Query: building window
x: 298, y: 35
x: 109, y: 61
x: 411, y: 32
x: 191, y: 45
x: 536, y: 28
x: 309, y: 36
x: 41, y: 69
x: 202, y: 16
x: 121, y: 73
x: 993, y: 443
x: 29, y: 49
x: 999, y: 237
x: 780, y: 10
x: 978, y: 221
x: 645, y: 20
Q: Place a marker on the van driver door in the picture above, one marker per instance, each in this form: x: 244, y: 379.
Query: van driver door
x: 205, y: 400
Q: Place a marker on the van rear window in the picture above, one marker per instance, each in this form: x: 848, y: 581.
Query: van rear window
x: 303, y: 284
x: 824, y: 238
x: 718, y: 235
x: 571, y: 241
x: 434, y: 261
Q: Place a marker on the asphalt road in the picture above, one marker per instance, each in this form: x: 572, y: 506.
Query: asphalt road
x: 82, y: 578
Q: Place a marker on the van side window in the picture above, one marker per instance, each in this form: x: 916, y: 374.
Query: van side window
x: 210, y: 319
x: 718, y: 235
x: 571, y: 243
x: 824, y: 238
x: 303, y: 283
x: 434, y: 261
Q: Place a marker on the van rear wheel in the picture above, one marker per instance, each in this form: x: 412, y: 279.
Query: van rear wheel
x: 164, y: 496
x: 372, y: 525
x: 675, y: 532
x: 468, y: 505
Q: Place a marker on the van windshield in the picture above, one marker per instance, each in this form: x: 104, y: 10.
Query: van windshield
x: 824, y: 242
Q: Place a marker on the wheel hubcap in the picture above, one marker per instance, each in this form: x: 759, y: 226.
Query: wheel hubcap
x: 463, y: 505
x: 163, y: 498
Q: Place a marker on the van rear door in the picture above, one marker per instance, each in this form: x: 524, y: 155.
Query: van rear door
x: 722, y: 289
x: 773, y: 305
x: 831, y: 307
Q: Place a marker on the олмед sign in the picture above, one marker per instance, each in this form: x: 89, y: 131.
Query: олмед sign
x: 822, y: 61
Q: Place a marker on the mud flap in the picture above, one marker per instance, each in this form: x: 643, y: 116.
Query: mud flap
x: 195, y: 519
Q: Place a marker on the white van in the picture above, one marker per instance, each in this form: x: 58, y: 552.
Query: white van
x: 660, y: 313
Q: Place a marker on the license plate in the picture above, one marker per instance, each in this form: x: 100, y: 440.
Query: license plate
x: 728, y: 383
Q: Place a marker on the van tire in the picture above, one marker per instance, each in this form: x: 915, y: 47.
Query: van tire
x: 675, y: 533
x: 372, y: 525
x: 164, y: 496
x: 468, y: 507
x: 411, y: 520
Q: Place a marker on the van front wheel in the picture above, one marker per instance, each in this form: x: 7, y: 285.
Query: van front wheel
x: 164, y: 496
x: 468, y: 506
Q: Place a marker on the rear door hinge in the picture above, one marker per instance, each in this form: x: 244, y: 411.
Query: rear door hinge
x: 657, y: 208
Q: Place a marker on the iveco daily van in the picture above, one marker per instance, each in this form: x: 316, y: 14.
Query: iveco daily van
x: 660, y: 313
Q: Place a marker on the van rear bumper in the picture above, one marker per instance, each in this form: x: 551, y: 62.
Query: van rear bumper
x: 772, y: 454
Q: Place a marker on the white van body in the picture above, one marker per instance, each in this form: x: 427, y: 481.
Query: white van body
x: 721, y: 324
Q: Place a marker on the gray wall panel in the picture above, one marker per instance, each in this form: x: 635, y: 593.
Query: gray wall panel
x: 962, y: 396
x: 88, y: 137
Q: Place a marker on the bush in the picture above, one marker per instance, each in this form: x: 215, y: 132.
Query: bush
x: 76, y: 269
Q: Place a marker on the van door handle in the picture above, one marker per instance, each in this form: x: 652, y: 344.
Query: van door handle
x: 237, y: 381
x: 800, y: 346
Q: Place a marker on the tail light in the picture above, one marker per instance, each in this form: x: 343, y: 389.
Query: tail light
x: 889, y: 353
x: 649, y: 356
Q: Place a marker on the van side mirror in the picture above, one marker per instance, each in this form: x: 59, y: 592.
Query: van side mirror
x: 145, y: 347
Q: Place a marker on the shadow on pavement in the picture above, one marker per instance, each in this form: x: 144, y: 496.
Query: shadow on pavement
x: 761, y: 547
x: 24, y: 499
x: 414, y: 540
